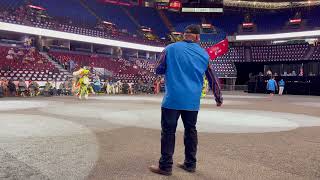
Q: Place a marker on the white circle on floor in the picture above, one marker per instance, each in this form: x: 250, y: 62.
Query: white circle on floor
x: 242, y: 96
x: 21, y: 104
x: 225, y: 102
x: 158, y: 99
x: 221, y: 121
x: 129, y: 98
x: 308, y: 104
x: 57, y: 148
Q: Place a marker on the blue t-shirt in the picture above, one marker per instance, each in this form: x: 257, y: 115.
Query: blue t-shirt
x: 271, y: 85
x: 186, y: 63
x: 281, y: 83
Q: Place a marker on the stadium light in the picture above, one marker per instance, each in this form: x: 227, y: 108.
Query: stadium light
x: 300, y: 34
x: 76, y: 37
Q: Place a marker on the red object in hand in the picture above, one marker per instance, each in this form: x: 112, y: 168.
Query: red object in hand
x: 218, y: 49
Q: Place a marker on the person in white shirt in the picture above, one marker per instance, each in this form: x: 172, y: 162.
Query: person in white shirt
x: 20, y: 53
x: 11, y: 51
x: 9, y: 56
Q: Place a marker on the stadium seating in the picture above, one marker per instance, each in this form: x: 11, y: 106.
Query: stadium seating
x: 279, y: 53
x: 224, y: 68
x: 78, y: 12
x: 83, y: 24
x: 149, y: 17
x: 316, y: 53
x: 144, y: 64
x: 40, y: 69
x: 181, y: 20
x: 10, y: 4
x: 121, y: 69
x: 71, y: 9
x: 114, y: 14
x: 234, y: 54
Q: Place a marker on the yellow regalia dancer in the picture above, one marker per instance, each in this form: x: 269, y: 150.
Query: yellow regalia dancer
x: 205, y: 87
x: 82, y: 83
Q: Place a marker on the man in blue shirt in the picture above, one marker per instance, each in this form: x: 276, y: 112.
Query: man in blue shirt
x: 184, y: 64
x: 281, y: 86
x: 271, y: 86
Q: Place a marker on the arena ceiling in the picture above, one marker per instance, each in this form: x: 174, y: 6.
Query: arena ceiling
x: 271, y: 4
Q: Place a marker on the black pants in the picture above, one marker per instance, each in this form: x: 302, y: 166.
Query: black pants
x: 169, y: 121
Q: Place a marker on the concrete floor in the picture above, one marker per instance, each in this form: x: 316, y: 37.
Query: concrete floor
x: 118, y: 137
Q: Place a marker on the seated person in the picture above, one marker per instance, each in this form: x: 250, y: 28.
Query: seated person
x: 40, y: 61
x: 33, y: 88
x: 4, y: 85
x: 11, y: 51
x: 20, y: 53
x: 1, y: 91
x: 61, y: 90
x: 54, y: 91
x: 47, y: 89
x: 22, y: 87
x: 68, y: 87
x: 125, y: 88
x: 96, y: 84
x: 12, y: 88
x: 130, y: 90
x: 9, y: 57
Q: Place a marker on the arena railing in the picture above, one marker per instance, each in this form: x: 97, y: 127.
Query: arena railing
x: 76, y: 37
x: 313, y: 33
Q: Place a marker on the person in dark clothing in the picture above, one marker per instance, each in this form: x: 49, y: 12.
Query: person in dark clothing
x: 12, y: 88
x: 1, y: 91
x: 184, y: 64
x: 22, y: 87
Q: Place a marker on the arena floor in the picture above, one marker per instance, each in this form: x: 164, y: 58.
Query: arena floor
x: 118, y: 137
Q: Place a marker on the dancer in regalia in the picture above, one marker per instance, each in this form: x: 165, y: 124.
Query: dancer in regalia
x: 82, y: 86
x: 205, y: 87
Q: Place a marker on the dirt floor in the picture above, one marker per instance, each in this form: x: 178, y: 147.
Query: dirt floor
x: 118, y: 137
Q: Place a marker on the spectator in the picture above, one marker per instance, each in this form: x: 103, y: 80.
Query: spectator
x: 1, y: 90
x: 20, y: 52
x: 33, y: 88
x: 12, y: 88
x: 271, y: 86
x: 71, y: 65
x: 269, y: 73
x: 157, y: 86
x: 54, y: 91
x: 22, y: 87
x: 110, y: 87
x: 9, y: 57
x: 68, y: 87
x: 40, y: 61
x: 61, y: 90
x: 125, y: 88
x: 96, y: 84
x: 130, y: 90
x: 294, y: 73
x: 281, y: 86
x: 11, y: 52
x: 47, y: 89
x: 116, y: 87
x: 4, y: 85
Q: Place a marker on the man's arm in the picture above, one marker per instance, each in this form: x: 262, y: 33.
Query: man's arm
x: 214, y: 85
x: 161, y: 65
